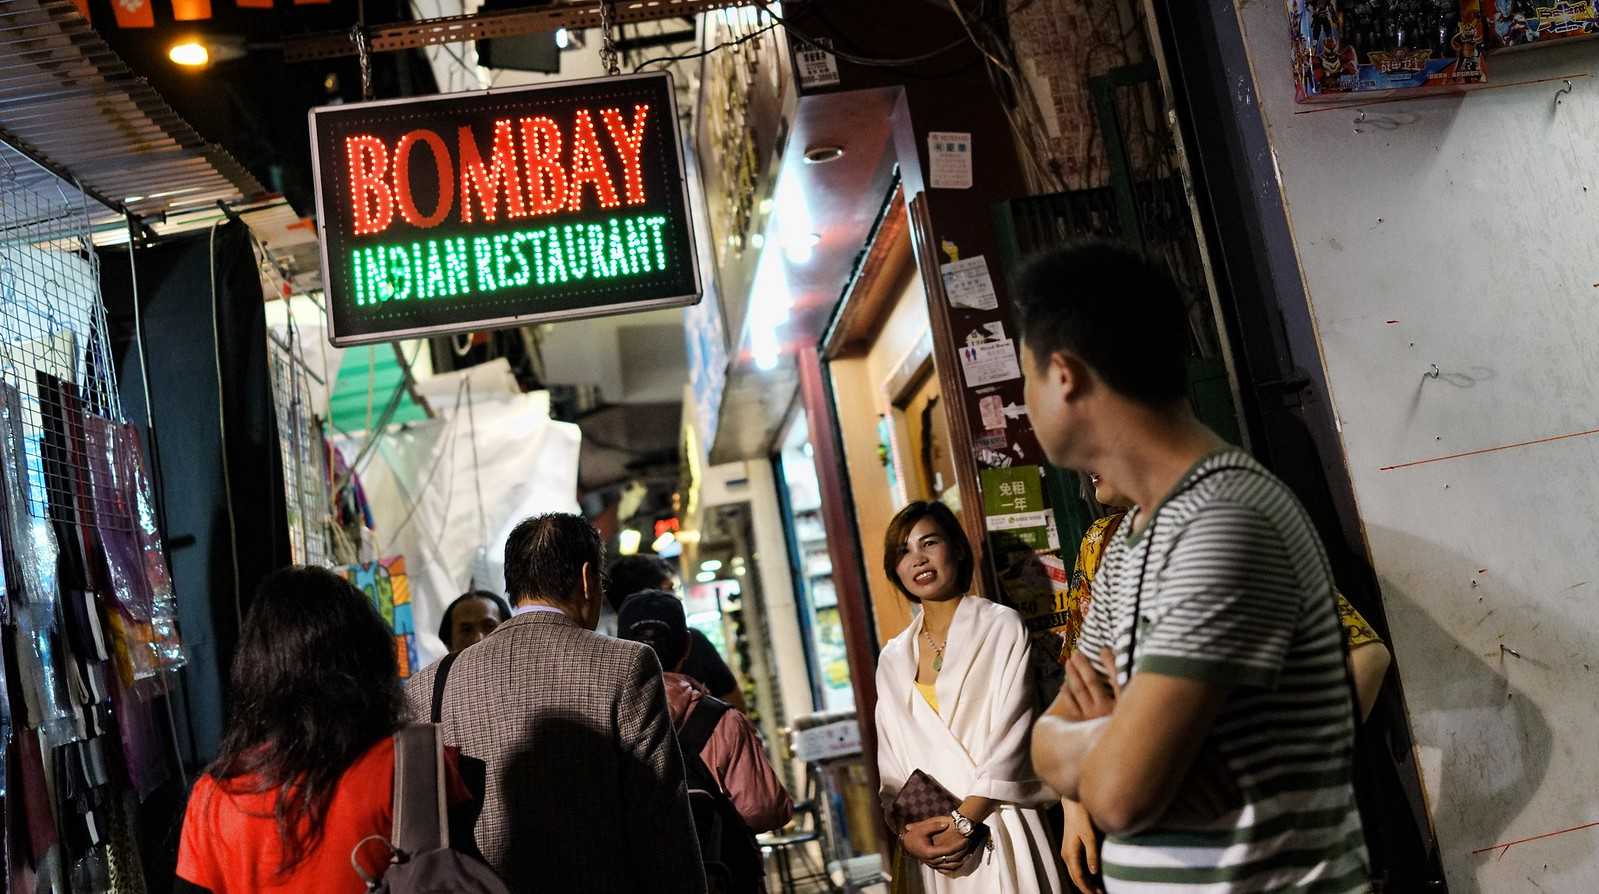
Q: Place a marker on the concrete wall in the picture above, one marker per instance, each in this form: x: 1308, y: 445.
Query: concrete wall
x: 1447, y: 253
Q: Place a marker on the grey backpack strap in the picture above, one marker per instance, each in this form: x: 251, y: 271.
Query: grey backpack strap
x: 419, y: 802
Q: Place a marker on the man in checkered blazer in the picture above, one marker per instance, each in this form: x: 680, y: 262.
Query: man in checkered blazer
x: 582, y: 779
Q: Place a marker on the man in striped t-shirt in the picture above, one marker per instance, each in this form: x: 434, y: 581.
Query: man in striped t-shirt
x: 1206, y: 723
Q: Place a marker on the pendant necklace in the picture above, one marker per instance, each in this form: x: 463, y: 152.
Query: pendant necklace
x: 938, y: 651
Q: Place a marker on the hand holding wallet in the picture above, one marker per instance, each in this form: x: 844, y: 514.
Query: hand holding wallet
x: 921, y: 797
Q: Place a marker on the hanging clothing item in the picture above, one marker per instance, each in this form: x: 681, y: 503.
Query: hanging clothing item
x: 976, y: 743
x: 122, y: 847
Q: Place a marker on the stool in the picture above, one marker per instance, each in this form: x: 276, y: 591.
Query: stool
x: 784, y: 845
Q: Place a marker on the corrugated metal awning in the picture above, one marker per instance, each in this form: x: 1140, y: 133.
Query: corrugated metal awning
x: 70, y: 102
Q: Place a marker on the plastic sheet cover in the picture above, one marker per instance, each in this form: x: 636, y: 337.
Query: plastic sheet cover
x: 32, y: 588
x: 133, y: 640
x: 423, y: 485
x: 163, y: 601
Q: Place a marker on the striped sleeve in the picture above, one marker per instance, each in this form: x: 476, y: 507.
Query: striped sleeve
x: 1227, y: 601
x: 1096, y: 633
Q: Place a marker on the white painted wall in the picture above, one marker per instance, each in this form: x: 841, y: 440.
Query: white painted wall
x: 777, y: 584
x: 591, y: 352
x: 1459, y: 231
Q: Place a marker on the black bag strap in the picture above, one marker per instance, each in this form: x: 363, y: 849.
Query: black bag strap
x: 419, y: 793
x: 442, y: 674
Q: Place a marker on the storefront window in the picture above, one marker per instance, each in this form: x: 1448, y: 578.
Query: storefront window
x: 703, y: 607
x: 818, y: 600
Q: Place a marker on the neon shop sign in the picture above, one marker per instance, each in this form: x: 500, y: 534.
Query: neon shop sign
x: 504, y: 207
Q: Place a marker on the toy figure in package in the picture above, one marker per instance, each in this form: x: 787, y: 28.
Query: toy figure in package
x: 1522, y: 22
x: 1355, y: 48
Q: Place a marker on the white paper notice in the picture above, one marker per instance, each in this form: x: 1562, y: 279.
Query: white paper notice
x: 990, y: 362
x: 950, y: 158
x: 967, y: 284
x: 817, y: 68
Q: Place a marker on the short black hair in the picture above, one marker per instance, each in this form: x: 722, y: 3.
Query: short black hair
x: 1116, y: 309
x: 446, y: 622
x: 899, y: 531
x: 655, y: 618
x: 635, y: 574
x: 545, y: 555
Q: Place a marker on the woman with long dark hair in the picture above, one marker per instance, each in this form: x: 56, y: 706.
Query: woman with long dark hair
x: 306, y: 766
x: 955, y: 701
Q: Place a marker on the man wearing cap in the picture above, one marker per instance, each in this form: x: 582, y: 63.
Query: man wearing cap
x: 733, y: 753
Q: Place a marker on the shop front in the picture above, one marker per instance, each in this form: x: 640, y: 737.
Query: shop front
x: 870, y: 356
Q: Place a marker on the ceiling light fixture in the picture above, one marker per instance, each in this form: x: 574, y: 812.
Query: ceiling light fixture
x: 711, y: 565
x: 801, y: 247
x: 705, y: 577
x: 190, y: 54
x: 821, y: 155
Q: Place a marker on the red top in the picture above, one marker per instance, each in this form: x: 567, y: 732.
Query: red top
x: 230, y: 842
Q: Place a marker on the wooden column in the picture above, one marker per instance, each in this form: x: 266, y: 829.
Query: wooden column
x: 843, y: 548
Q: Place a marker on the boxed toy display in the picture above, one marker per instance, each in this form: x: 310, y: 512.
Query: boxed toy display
x: 1347, y: 49
x: 1519, y: 23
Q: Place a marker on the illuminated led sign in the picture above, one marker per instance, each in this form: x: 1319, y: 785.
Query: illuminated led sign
x: 504, y: 207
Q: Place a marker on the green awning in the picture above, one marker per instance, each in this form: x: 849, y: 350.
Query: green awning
x: 373, y: 371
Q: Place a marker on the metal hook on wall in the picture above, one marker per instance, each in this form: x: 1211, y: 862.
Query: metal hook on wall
x: 1563, y: 91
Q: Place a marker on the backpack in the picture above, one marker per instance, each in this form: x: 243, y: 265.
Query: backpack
x: 422, y: 861
x: 727, y: 846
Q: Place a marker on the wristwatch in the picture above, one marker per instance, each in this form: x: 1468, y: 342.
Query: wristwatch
x: 962, y: 824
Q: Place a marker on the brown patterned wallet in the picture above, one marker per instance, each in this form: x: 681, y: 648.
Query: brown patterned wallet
x: 919, y: 798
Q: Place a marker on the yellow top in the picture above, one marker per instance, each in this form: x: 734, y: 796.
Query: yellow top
x: 928, y: 692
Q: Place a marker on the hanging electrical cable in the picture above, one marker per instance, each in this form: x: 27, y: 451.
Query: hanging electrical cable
x: 477, y: 467
x: 1017, y: 98
x: 699, y: 54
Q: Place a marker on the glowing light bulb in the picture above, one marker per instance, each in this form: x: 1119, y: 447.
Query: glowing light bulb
x: 189, y: 53
x: 627, y: 542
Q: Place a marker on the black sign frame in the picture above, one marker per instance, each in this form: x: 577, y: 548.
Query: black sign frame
x: 679, y: 286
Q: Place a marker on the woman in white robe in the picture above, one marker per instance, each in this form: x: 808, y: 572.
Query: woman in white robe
x: 954, y: 700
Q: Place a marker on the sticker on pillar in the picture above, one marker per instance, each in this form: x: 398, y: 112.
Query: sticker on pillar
x: 1035, y: 529
x: 949, y: 160
x: 1012, y: 490
x: 967, y: 284
x: 990, y: 362
x: 992, y: 410
x: 992, y: 457
x: 816, y: 66
x: 994, y: 331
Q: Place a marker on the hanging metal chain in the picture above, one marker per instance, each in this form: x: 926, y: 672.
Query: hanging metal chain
x: 358, y: 37
x: 607, y: 46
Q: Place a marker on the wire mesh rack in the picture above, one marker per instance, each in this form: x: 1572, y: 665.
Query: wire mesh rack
x: 300, y: 442
x: 54, y: 346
